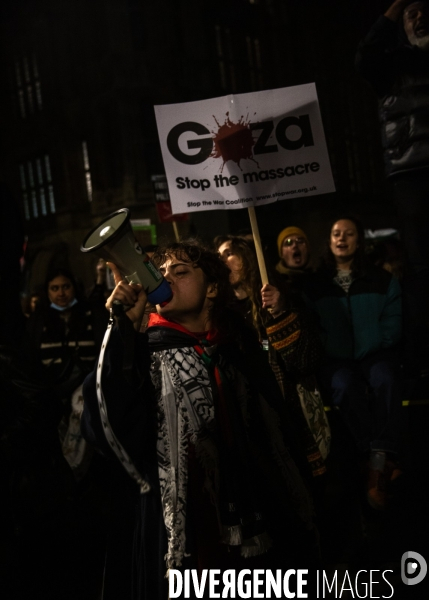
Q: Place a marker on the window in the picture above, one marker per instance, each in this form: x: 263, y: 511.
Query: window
x: 161, y: 187
x: 28, y: 85
x: 41, y: 187
x: 49, y: 183
x: 24, y: 192
x: 224, y: 50
x: 220, y: 57
x: 30, y: 179
x: 87, y: 169
x: 255, y: 63
x: 37, y: 188
x: 20, y: 90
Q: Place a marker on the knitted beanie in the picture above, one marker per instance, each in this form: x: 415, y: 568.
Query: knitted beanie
x: 287, y: 233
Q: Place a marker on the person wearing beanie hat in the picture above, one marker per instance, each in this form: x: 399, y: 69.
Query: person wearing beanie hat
x: 294, y: 250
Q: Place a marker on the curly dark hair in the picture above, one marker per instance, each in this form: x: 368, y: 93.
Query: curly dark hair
x: 215, y: 271
x: 328, y: 265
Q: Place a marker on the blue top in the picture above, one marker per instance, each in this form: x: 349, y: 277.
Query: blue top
x: 364, y: 320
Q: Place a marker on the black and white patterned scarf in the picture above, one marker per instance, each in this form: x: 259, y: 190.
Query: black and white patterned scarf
x: 188, y: 412
x: 185, y: 414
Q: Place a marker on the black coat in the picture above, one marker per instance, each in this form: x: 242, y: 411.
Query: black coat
x: 399, y: 74
x: 135, y: 560
x: 59, y: 343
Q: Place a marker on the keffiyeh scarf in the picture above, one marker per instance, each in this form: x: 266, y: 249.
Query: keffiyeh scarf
x: 205, y: 401
x: 192, y: 385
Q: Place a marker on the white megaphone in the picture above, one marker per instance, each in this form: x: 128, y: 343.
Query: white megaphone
x: 113, y: 240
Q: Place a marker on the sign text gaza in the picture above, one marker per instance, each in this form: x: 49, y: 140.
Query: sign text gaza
x: 261, y: 146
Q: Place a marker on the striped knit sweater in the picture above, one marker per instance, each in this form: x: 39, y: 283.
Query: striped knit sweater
x: 294, y: 353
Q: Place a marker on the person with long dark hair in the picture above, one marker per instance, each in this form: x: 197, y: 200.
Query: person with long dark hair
x: 285, y: 331
x: 359, y: 307
x: 239, y: 255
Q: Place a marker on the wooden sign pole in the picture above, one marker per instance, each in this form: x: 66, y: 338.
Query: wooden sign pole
x: 176, y: 231
x: 258, y: 245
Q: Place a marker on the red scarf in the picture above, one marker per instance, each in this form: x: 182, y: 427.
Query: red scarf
x: 210, y: 337
x: 206, y: 338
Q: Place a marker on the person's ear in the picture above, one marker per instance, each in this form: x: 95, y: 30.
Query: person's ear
x: 211, y: 290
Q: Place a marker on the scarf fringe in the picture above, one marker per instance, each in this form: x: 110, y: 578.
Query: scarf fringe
x: 144, y: 486
x: 259, y: 544
x: 232, y: 536
x: 175, y: 561
x: 173, y: 522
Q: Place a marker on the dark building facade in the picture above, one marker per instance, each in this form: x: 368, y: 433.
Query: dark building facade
x: 80, y: 80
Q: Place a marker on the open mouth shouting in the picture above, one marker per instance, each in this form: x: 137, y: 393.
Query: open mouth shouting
x: 295, y: 253
x: 297, y: 256
x: 421, y: 30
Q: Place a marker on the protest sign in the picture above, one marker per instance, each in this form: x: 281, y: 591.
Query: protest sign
x: 244, y: 150
x: 163, y: 203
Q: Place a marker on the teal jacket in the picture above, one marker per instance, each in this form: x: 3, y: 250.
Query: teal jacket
x: 365, y: 320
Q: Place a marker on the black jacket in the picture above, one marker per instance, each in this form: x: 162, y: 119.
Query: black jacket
x: 399, y: 74
x: 60, y: 339
x: 135, y: 559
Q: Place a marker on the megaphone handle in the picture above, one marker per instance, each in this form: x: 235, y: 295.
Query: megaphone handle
x: 118, y: 308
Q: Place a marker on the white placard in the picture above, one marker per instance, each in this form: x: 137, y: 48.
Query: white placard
x: 244, y: 150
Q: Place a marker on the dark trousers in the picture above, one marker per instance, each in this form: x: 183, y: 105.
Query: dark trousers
x: 411, y: 194
x: 368, y: 394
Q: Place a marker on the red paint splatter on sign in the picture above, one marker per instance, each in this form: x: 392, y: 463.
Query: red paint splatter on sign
x: 233, y: 141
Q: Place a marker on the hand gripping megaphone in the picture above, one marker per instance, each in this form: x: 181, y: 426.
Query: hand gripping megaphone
x: 113, y: 240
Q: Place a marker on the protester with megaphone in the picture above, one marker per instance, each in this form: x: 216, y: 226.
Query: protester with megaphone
x: 190, y: 411
x: 113, y: 240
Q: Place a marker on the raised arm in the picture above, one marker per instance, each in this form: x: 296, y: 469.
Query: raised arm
x: 272, y: 300
x: 125, y: 389
x: 131, y: 298
x: 395, y: 10
x: 292, y: 333
x: 376, y: 57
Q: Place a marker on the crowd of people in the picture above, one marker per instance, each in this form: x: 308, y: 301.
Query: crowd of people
x: 206, y: 414
x: 195, y: 433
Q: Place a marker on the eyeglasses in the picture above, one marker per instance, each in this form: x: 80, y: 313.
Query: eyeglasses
x: 292, y: 241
